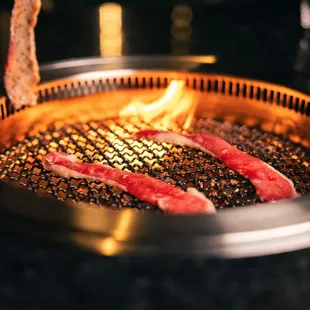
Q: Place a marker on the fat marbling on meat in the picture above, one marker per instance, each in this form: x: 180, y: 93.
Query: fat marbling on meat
x: 167, y: 197
x: 270, y: 184
x: 22, y: 70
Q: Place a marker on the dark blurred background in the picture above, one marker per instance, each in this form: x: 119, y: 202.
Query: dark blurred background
x: 83, y: 3
x: 265, y: 35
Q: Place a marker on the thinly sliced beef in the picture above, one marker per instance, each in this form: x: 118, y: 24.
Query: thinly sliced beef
x: 270, y: 184
x: 22, y: 70
x: 167, y: 197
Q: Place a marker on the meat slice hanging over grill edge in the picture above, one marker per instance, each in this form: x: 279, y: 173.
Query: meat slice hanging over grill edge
x: 269, y: 183
x: 167, y: 197
x: 22, y: 70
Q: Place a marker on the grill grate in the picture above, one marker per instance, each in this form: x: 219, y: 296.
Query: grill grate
x: 102, y: 141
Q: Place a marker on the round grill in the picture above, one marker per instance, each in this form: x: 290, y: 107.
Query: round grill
x: 79, y: 114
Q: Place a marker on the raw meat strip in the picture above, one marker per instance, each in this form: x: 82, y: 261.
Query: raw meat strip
x: 167, y: 197
x: 269, y: 183
x: 22, y: 69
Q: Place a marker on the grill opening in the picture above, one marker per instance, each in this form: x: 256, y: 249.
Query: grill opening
x: 99, y: 136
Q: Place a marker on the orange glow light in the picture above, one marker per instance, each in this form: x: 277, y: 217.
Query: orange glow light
x: 110, y: 24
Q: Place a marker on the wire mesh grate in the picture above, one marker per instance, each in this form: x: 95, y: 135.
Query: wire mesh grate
x: 108, y: 141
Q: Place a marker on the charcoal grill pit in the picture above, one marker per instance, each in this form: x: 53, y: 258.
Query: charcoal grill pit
x: 80, y: 115
x: 182, y: 167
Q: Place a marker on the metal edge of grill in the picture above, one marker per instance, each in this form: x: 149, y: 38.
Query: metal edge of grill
x: 273, y: 228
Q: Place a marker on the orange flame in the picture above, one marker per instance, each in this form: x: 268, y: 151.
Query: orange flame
x: 175, y: 108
